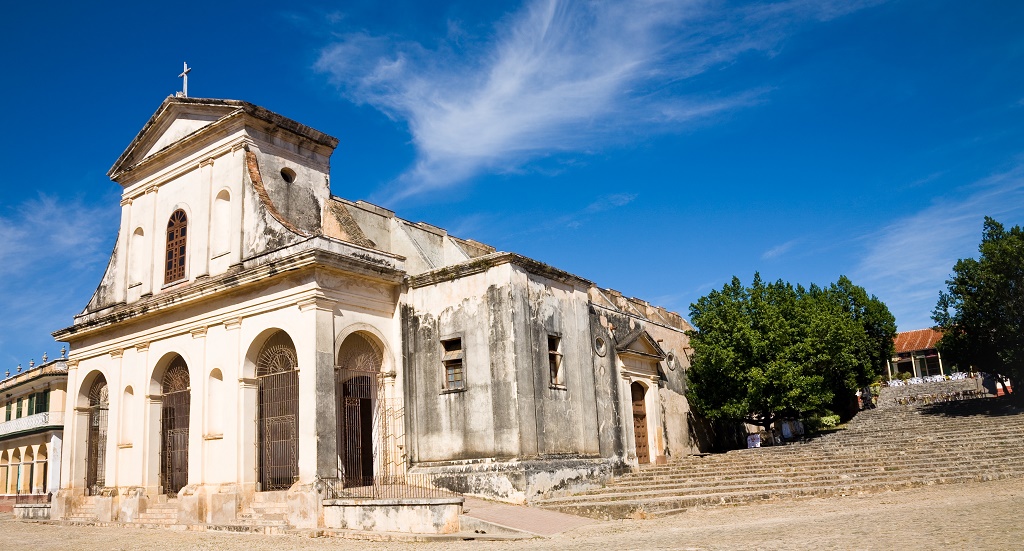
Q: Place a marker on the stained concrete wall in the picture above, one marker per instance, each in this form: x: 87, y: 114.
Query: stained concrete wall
x: 509, y: 408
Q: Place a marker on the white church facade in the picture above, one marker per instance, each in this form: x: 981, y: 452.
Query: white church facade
x: 253, y: 334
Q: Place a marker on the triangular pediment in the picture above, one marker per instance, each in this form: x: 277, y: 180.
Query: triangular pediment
x: 644, y: 345
x: 176, y: 119
x: 180, y: 118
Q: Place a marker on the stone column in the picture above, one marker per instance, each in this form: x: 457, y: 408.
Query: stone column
x: 53, y: 464
x: 197, y: 398
x: 629, y: 437
x: 203, y: 217
x: 655, y: 427
x: 151, y: 458
x: 325, y: 427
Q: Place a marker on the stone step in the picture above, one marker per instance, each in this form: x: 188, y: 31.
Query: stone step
x: 1017, y: 466
x: 268, y: 508
x: 81, y: 517
x: 614, y: 509
x: 826, y: 460
x: 159, y: 515
x: 251, y: 517
x: 827, y: 463
x: 278, y: 496
x: 268, y: 528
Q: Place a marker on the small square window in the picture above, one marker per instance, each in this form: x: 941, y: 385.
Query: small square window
x: 452, y: 360
x: 555, y: 361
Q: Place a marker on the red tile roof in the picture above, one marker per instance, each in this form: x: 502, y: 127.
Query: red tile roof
x: 921, y: 339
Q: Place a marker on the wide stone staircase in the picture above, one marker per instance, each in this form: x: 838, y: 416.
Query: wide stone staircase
x: 85, y: 514
x: 163, y: 513
x: 267, y: 513
x: 879, y: 450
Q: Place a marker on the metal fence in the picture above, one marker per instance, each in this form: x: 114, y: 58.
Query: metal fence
x: 408, y: 486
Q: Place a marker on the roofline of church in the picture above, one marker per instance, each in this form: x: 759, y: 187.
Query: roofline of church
x: 483, y: 263
x: 250, y: 109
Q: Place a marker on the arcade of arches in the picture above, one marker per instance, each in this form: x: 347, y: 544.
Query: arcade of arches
x: 23, y: 470
x: 108, y: 433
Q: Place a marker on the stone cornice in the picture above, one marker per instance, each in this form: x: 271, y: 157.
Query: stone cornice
x: 315, y: 252
x: 53, y: 367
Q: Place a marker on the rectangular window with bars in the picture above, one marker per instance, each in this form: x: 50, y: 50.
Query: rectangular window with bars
x: 8, y: 411
x: 555, y: 362
x: 454, y: 368
x: 17, y: 410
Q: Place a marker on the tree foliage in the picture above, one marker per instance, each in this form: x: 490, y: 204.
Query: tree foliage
x: 773, y: 350
x: 981, y: 314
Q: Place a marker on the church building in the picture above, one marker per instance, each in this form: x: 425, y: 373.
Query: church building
x: 256, y: 339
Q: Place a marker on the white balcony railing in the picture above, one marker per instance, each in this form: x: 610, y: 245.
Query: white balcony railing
x: 45, y: 419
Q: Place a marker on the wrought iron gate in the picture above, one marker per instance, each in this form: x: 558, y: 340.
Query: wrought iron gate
x: 278, y: 418
x: 96, y: 440
x: 356, y: 428
x: 174, y: 417
x: 364, y: 430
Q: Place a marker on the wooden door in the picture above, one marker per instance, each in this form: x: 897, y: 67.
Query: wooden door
x: 643, y: 454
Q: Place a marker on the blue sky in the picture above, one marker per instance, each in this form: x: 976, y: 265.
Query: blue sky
x: 655, y: 147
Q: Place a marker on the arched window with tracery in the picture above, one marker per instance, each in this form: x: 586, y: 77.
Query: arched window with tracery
x: 174, y: 262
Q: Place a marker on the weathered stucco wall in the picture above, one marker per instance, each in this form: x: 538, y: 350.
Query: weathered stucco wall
x: 510, y: 406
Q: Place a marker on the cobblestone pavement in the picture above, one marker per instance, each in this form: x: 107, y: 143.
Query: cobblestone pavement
x: 984, y: 515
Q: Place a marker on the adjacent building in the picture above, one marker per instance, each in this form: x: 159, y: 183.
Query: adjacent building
x: 917, y: 355
x: 31, y: 432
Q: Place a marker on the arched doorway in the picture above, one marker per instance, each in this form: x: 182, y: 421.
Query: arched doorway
x: 643, y: 454
x: 96, y: 438
x: 15, y: 486
x: 4, y: 469
x: 277, y: 413
x: 174, y: 412
x: 358, y: 390
x: 40, y: 485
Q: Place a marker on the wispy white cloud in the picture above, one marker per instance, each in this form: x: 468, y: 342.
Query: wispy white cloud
x: 909, y: 260
x: 779, y: 250
x: 51, y: 258
x: 609, y: 202
x: 559, y: 77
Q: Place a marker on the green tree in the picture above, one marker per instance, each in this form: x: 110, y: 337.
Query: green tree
x: 981, y: 314
x: 773, y: 350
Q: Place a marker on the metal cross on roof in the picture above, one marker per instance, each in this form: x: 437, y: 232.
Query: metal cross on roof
x: 184, y: 77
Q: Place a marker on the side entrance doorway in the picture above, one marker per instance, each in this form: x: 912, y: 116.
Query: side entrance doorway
x: 358, y: 390
x: 643, y: 454
x: 174, y: 415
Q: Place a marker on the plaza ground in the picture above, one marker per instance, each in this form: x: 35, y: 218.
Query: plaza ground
x: 982, y: 515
